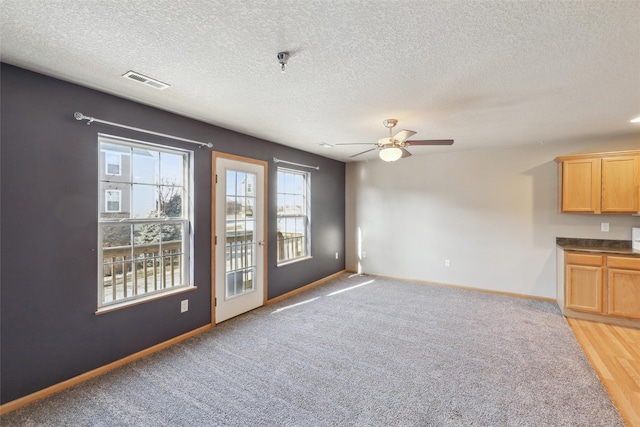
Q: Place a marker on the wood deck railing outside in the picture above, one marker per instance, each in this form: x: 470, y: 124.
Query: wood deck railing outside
x: 152, y: 267
x: 146, y: 270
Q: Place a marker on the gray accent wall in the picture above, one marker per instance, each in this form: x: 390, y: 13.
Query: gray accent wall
x: 49, y: 266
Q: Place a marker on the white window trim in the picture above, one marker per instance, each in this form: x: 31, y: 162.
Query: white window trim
x: 307, y: 214
x: 188, y: 229
x: 143, y: 298
x: 106, y: 200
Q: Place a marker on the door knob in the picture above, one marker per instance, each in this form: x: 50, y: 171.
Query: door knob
x: 261, y: 243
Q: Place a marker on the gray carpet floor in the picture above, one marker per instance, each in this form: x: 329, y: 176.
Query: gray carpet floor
x: 355, y: 351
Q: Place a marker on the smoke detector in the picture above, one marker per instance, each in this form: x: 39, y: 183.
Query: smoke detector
x: 283, y: 57
x: 156, y: 84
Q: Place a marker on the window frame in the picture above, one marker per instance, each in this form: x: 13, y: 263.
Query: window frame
x: 186, y: 222
x: 305, y: 215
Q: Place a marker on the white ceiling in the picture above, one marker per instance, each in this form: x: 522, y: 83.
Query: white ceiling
x: 485, y: 73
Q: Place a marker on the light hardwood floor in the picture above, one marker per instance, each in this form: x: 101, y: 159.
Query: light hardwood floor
x: 614, y: 352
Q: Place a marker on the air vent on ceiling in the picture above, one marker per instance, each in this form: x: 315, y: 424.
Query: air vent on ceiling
x: 156, y: 84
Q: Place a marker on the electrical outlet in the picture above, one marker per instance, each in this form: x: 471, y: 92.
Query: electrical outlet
x: 447, y: 263
x: 364, y: 254
x: 184, y: 305
x: 604, y: 226
x: 336, y: 255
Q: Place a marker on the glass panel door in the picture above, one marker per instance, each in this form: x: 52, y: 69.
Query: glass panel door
x: 240, y: 226
x: 239, y: 232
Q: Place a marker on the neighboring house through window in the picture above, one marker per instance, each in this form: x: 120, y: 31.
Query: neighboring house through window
x: 113, y: 163
x: 145, y: 220
x: 293, y: 215
x: 113, y: 200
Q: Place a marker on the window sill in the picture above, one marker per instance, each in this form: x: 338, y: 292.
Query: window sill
x: 293, y: 261
x: 119, y: 306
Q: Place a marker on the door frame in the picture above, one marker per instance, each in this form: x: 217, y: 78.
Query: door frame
x: 214, y: 173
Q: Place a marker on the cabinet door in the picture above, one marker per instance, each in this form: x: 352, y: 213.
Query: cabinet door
x: 584, y: 288
x: 624, y: 293
x: 581, y: 185
x: 620, y: 184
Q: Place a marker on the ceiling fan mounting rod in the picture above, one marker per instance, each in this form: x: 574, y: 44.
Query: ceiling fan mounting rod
x: 389, y: 124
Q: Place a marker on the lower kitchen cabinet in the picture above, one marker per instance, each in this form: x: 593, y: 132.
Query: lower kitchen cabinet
x: 584, y: 282
x: 603, y: 285
x: 623, y: 282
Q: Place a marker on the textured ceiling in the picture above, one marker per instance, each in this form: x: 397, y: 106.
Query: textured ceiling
x: 485, y: 73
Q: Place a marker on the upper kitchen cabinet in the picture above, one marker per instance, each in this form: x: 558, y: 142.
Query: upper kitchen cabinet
x: 600, y: 182
x: 620, y: 184
x: 581, y: 184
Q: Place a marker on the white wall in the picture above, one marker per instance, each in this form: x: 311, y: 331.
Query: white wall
x: 492, y: 212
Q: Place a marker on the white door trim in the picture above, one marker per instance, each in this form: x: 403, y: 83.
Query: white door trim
x: 214, y: 157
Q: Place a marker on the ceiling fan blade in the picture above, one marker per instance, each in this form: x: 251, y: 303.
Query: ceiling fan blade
x: 405, y: 153
x: 403, y: 135
x: 362, y: 153
x: 431, y: 142
x: 358, y: 143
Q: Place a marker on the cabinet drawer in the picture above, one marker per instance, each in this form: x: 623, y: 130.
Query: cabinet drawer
x: 623, y: 262
x: 584, y: 259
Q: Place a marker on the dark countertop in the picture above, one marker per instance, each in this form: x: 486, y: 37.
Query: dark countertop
x: 620, y: 247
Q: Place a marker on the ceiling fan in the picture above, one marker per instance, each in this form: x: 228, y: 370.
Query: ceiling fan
x: 395, y: 147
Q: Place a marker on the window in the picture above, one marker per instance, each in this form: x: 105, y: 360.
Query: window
x: 145, y: 224
x: 293, y: 215
x: 112, y: 200
x: 113, y: 163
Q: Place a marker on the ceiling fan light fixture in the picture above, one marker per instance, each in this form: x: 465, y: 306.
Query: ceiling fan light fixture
x: 390, y: 154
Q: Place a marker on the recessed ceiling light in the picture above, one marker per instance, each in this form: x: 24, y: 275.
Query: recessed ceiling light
x: 636, y: 120
x: 325, y: 145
